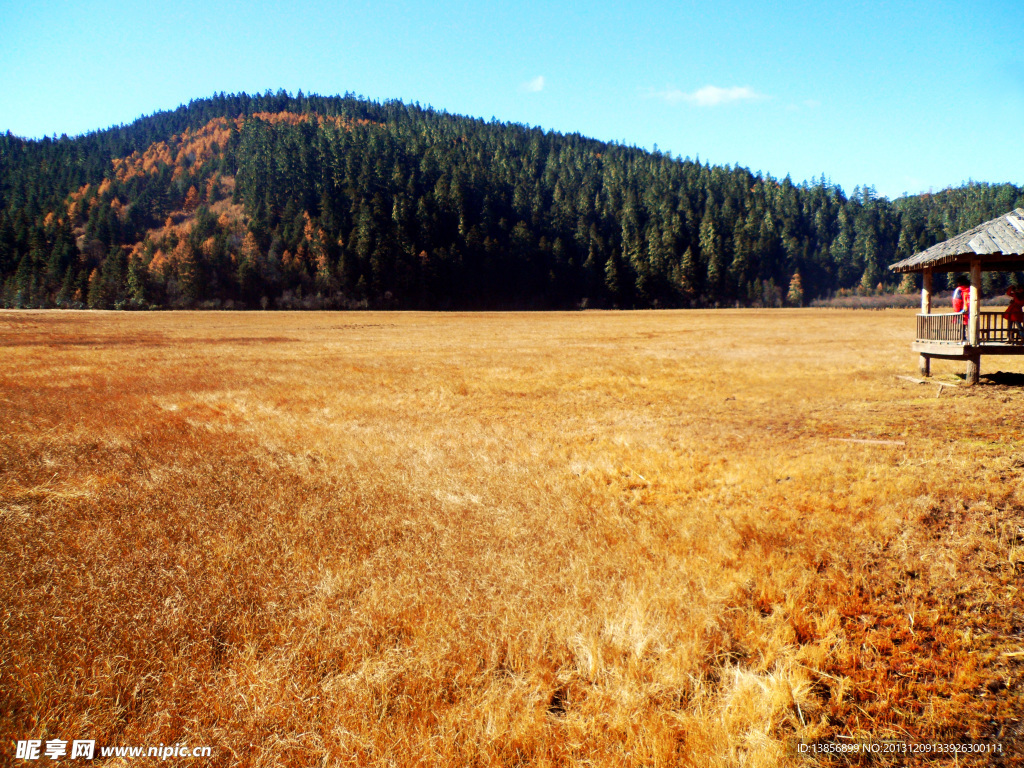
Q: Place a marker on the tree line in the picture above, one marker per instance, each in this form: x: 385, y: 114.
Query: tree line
x: 276, y: 200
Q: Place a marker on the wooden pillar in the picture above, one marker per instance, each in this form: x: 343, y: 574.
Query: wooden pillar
x: 925, y: 362
x: 973, y: 319
x: 973, y: 367
x: 973, y: 322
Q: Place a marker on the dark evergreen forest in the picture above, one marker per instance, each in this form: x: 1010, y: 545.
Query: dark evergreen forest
x: 282, y: 201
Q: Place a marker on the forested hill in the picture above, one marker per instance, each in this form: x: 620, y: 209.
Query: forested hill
x: 308, y: 201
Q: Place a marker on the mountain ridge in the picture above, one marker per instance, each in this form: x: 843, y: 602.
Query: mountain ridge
x: 339, y: 202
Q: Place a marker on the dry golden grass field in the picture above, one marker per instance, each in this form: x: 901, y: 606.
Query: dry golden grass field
x: 567, y: 539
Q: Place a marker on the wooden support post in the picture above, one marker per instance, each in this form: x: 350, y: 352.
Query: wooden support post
x: 974, y: 316
x: 925, y: 362
x: 924, y: 365
x: 973, y: 320
x: 973, y: 367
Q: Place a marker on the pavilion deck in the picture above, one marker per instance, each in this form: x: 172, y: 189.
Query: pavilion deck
x: 996, y: 246
x: 942, y: 335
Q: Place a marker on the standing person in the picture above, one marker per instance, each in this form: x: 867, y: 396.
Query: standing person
x: 1014, y: 315
x: 962, y: 301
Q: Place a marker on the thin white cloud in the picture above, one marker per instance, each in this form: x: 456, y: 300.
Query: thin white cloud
x: 536, y: 85
x: 709, y: 95
x: 803, y: 105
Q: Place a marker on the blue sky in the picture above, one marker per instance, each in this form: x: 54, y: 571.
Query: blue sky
x: 906, y: 96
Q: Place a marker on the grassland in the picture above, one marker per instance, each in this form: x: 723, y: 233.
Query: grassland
x: 502, y: 539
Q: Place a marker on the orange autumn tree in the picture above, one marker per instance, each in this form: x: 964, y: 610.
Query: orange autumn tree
x: 189, y: 273
x: 795, y: 295
x: 191, y: 199
x: 316, y: 242
x: 248, y: 272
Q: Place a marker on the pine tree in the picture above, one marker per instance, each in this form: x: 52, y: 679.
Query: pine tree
x: 688, y: 273
x: 741, y: 253
x: 67, y: 288
x: 866, y: 251
x: 95, y: 298
x: 711, y: 253
x: 23, y: 280
x: 908, y: 284
x: 137, y: 274
x: 612, y: 281
x: 842, y: 251
x: 113, y: 273
x: 869, y: 279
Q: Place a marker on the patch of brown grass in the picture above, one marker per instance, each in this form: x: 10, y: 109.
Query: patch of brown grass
x: 502, y: 539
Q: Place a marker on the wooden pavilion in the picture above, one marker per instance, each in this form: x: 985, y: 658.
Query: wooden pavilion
x: 996, y: 245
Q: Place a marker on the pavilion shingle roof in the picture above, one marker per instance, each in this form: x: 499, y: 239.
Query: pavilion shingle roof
x: 1001, y: 240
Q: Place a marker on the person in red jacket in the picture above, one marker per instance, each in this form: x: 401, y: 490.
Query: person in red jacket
x: 962, y: 300
x: 1014, y: 315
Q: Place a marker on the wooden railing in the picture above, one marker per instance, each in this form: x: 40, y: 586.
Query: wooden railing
x: 947, y: 327
x: 992, y: 328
